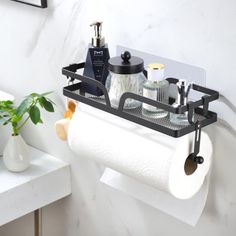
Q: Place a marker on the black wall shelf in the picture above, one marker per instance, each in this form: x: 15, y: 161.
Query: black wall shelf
x: 202, y: 116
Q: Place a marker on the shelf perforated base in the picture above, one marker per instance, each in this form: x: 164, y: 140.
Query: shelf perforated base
x: 164, y: 124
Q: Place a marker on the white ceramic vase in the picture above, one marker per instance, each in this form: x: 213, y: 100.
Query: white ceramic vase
x: 16, y: 154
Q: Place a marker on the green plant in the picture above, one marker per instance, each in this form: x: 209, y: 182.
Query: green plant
x: 29, y: 108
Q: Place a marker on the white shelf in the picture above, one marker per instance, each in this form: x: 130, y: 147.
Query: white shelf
x: 46, y: 181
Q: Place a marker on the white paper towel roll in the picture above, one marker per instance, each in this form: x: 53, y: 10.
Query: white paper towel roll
x: 188, y: 210
x: 141, y: 153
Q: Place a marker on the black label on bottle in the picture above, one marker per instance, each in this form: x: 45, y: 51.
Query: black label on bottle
x: 96, y: 68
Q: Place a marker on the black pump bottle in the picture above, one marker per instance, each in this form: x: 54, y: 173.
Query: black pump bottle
x: 96, y: 61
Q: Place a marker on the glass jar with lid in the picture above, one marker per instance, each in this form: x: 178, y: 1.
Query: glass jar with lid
x: 125, y: 75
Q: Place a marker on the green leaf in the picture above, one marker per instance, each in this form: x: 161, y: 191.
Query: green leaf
x: 6, y: 103
x: 51, y: 101
x: 15, y: 118
x: 24, y: 106
x: 34, y: 95
x: 31, y: 104
x: 3, y: 120
x: 6, y: 106
x: 7, y: 122
x: 34, y: 113
x: 45, y: 94
x: 41, y: 102
x: 49, y: 107
x: 46, y: 104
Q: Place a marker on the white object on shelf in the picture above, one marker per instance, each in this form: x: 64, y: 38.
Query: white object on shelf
x: 46, y: 181
x: 4, y: 130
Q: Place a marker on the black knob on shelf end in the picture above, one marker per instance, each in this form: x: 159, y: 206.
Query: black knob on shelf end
x: 196, y: 159
x: 126, y: 56
x: 200, y: 159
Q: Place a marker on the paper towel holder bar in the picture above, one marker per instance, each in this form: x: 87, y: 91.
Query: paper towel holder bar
x: 194, y: 155
x: 203, y: 115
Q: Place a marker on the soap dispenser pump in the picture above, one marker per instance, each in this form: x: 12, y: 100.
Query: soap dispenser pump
x: 96, y: 61
x: 98, y: 40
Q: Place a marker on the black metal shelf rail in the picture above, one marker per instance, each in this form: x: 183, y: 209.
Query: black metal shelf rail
x: 75, y: 92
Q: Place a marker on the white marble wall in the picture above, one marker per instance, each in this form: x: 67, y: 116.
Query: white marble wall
x: 35, y: 44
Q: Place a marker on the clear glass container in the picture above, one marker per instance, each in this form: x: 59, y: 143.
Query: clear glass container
x: 155, y: 90
x: 118, y: 84
x: 125, y: 75
x: 183, y: 89
x: 179, y: 119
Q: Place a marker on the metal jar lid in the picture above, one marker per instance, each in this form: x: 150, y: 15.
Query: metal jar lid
x: 126, y: 64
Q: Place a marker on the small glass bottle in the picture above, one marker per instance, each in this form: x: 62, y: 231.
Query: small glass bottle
x: 155, y: 88
x: 183, y: 89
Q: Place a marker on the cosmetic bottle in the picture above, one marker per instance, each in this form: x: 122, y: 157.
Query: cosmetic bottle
x: 183, y: 89
x: 96, y: 61
x: 125, y: 75
x: 155, y: 88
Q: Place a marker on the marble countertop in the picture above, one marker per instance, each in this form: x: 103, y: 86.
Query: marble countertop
x: 47, y: 180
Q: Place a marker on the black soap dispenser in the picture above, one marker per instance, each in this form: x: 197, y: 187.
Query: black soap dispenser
x: 96, y: 61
